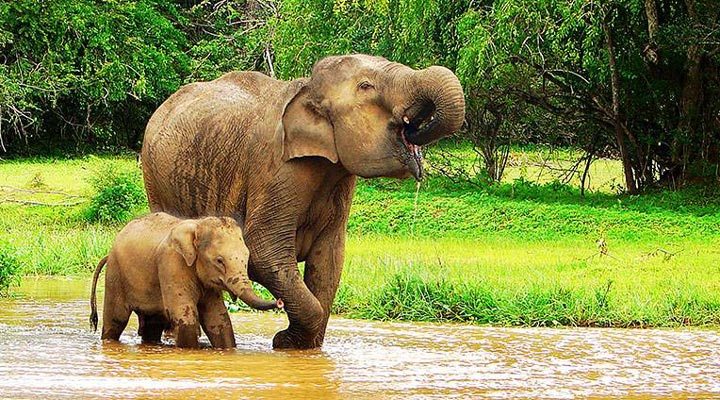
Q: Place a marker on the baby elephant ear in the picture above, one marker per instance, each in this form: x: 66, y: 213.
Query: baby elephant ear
x: 182, y: 240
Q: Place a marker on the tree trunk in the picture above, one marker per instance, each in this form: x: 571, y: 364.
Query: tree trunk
x: 691, y: 98
x: 651, y: 50
x: 630, y: 181
x: 692, y: 91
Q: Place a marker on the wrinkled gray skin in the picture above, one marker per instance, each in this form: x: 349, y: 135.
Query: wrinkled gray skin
x: 283, y: 157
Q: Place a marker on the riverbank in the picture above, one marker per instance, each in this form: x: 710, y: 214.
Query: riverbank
x: 516, y: 253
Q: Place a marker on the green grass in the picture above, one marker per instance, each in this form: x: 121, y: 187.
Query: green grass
x: 56, y: 239
x: 518, y: 253
x: 506, y: 282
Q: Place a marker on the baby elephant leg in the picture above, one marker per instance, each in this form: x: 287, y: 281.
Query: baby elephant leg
x: 185, y: 325
x: 151, y: 327
x: 215, y: 320
x: 116, y: 312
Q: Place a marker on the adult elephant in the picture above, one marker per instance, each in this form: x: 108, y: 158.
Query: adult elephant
x: 282, y: 158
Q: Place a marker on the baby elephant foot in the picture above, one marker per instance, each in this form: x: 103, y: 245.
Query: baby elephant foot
x: 186, y: 336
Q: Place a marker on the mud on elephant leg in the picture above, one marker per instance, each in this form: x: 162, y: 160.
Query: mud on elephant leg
x: 324, y: 286
x: 215, y: 321
x: 185, y: 325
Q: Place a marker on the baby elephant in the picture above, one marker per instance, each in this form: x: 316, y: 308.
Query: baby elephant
x: 171, y: 273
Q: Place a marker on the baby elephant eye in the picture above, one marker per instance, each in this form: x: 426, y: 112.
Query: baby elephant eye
x: 365, y: 85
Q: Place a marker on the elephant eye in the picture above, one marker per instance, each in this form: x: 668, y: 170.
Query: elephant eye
x: 365, y: 85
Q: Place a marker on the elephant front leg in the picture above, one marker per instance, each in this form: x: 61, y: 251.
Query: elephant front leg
x: 185, y: 325
x: 308, y: 300
x: 304, y: 311
x: 215, y: 320
x: 181, y: 294
x: 273, y: 264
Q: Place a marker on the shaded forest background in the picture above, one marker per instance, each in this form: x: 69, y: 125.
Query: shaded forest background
x: 638, y: 80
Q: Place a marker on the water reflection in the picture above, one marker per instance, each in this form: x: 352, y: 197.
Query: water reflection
x: 48, y: 351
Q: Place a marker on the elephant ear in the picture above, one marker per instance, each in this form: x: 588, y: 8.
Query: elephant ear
x: 183, y: 240
x: 306, y: 132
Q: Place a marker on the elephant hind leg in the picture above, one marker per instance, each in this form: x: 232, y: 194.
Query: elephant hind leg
x: 115, y: 319
x: 116, y: 311
x: 151, y: 327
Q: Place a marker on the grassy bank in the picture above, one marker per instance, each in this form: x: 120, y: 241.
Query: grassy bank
x: 506, y: 282
x: 517, y: 253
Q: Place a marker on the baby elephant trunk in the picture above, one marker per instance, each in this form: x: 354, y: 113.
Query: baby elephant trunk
x: 249, y: 297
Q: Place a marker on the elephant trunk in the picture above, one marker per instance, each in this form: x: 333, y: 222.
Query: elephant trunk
x: 248, y: 296
x: 436, y: 106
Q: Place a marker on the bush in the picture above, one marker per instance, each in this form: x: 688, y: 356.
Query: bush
x: 9, y: 268
x: 119, y: 196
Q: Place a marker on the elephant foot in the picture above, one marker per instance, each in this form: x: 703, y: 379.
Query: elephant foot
x: 288, y: 339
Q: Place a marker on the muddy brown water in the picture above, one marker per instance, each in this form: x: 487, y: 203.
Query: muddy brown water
x: 48, y: 351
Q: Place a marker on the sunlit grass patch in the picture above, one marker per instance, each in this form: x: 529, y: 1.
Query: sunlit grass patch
x: 539, y: 164
x: 67, y: 175
x: 540, y: 284
x: 56, y: 239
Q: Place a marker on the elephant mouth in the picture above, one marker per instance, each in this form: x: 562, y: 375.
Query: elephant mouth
x: 221, y: 285
x: 412, y: 127
x: 413, y: 158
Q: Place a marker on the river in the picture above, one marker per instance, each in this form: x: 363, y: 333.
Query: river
x: 47, y: 351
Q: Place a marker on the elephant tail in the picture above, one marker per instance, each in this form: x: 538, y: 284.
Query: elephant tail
x: 93, y: 297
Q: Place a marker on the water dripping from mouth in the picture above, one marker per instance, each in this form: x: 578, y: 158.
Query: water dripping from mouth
x: 415, y: 208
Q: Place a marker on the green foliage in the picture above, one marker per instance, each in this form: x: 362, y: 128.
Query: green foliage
x: 97, y: 68
x: 553, y: 59
x: 309, y: 30
x: 119, y: 196
x: 529, y: 211
x: 88, y: 74
x: 228, y: 36
x: 10, y: 268
x: 418, y: 33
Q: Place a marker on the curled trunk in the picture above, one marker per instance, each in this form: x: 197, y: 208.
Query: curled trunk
x: 436, y: 106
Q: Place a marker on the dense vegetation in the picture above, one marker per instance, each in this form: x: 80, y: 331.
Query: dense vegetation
x: 638, y: 79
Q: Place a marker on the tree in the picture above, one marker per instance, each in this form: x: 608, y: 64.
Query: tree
x: 84, y: 70
x: 589, y: 62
